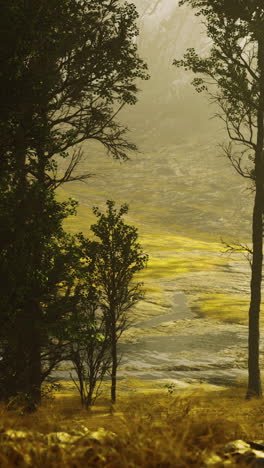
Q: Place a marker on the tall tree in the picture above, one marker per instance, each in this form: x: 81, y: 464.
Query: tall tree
x: 37, y: 273
x: 119, y: 258
x: 233, y: 75
x: 67, y: 68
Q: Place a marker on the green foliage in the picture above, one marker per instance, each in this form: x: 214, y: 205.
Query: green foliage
x: 232, y: 9
x: 229, y: 75
x: 103, y: 296
x: 120, y: 257
x: 171, y: 387
x: 73, y: 64
x: 86, y: 329
x: 67, y: 68
x: 38, y: 266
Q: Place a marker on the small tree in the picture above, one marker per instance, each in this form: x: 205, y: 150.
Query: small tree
x: 119, y: 258
x: 87, y: 330
x: 89, y: 351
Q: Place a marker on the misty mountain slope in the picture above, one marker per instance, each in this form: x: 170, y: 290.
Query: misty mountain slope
x: 179, y: 190
x: 169, y: 110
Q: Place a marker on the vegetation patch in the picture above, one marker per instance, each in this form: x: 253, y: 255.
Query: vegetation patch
x: 142, y: 430
x: 224, y: 307
x: 173, y: 266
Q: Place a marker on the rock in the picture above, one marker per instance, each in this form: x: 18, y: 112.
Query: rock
x: 98, y: 436
x: 245, y: 453
x: 64, y: 438
x: 13, y: 435
x: 213, y: 460
x: 23, y: 448
x: 61, y: 438
x: 237, y: 453
x: 236, y: 446
x: 101, y: 434
x: 258, y: 445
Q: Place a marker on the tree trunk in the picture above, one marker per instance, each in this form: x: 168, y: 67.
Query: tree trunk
x: 28, y: 366
x: 35, y: 359
x: 89, y: 399
x: 114, y: 369
x: 14, y: 378
x: 35, y: 313
x: 254, y: 381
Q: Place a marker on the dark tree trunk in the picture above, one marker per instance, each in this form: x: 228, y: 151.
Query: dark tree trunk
x: 14, y: 370
x: 114, y: 369
x: 35, y: 313
x: 28, y: 365
x: 21, y: 377
x: 35, y: 359
x: 89, y: 399
x: 254, y: 381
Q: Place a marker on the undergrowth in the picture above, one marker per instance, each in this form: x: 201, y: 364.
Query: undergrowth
x: 145, y: 430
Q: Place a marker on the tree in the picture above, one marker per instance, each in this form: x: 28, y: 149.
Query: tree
x: 74, y: 63
x: 67, y: 68
x: 233, y: 76
x: 86, y: 330
x: 35, y: 303
x: 119, y: 258
x: 237, y: 9
x: 89, y: 353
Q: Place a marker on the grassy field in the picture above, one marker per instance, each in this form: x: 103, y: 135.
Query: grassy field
x: 195, y: 265
x: 145, y: 429
x: 182, y: 200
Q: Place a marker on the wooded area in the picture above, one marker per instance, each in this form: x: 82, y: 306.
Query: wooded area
x: 67, y: 70
x: 63, y: 82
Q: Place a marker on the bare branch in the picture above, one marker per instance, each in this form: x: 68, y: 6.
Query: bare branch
x: 237, y: 160
x: 238, y: 248
x: 68, y: 176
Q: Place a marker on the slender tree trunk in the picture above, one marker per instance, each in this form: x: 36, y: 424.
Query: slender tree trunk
x: 254, y: 381
x: 89, y: 399
x: 114, y: 369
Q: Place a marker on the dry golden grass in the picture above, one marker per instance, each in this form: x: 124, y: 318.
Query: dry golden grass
x: 150, y: 430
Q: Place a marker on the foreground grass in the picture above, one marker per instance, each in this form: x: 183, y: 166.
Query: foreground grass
x: 143, y: 430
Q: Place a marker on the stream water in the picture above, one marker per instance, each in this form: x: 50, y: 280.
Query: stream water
x: 199, y: 349
x: 190, y: 348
